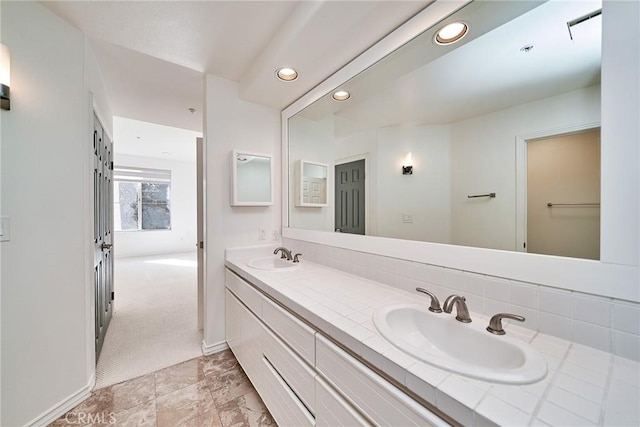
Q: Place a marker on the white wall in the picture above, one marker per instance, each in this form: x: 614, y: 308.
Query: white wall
x: 231, y: 123
x: 46, y: 140
x: 424, y: 194
x: 483, y: 154
x: 182, y: 236
x: 314, y: 142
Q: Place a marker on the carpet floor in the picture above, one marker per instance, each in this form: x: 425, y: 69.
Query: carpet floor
x: 155, y: 320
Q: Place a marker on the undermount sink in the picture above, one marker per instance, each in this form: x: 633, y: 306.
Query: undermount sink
x: 464, y: 348
x: 272, y: 263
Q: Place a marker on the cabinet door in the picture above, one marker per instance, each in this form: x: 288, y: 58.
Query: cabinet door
x: 332, y: 410
x: 232, y: 323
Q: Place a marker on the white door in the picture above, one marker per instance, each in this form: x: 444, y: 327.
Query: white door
x: 200, y: 224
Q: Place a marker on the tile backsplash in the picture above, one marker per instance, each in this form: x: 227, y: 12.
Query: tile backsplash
x: 604, y: 323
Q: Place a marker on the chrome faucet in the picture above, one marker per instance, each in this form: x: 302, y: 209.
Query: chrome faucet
x: 296, y: 257
x: 286, y: 253
x: 462, y: 312
x: 495, y: 324
x: 435, y: 304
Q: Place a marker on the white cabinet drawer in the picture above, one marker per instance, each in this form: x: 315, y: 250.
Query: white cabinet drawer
x: 384, y: 403
x: 297, y: 374
x: 284, y: 405
x: 333, y: 411
x: 292, y: 331
x: 244, y: 291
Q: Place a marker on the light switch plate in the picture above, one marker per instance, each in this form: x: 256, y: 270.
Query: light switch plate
x: 262, y: 234
x: 5, y: 229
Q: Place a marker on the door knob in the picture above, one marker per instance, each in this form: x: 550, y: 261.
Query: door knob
x: 106, y: 246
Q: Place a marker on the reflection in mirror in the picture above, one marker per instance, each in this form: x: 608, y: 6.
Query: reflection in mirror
x: 311, y: 184
x: 251, y: 179
x: 466, y: 112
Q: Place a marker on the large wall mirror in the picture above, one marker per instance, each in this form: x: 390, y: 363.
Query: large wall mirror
x: 502, y: 130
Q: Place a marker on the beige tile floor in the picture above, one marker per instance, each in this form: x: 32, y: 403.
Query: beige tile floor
x: 206, y: 391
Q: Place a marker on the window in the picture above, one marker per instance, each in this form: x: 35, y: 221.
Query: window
x: 142, y: 199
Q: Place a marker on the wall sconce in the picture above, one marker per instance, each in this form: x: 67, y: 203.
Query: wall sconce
x: 5, y: 77
x: 407, y: 167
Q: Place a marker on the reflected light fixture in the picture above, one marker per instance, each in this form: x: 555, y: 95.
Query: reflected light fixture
x: 407, y: 166
x: 287, y: 74
x: 5, y: 77
x: 341, y: 95
x: 451, y: 33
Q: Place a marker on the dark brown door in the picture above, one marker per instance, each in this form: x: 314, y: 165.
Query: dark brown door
x: 102, y: 231
x: 350, y: 207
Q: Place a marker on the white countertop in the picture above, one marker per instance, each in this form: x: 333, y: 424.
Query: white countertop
x: 583, y: 387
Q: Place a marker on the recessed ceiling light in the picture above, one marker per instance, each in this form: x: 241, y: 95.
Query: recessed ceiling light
x: 341, y: 95
x: 287, y: 74
x: 451, y: 33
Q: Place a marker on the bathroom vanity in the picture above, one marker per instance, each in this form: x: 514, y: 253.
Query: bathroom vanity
x: 304, y: 336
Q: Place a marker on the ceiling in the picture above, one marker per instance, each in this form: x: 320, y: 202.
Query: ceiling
x: 422, y: 83
x: 153, y: 54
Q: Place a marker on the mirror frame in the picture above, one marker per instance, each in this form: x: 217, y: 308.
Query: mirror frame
x: 233, y: 197
x: 616, y: 275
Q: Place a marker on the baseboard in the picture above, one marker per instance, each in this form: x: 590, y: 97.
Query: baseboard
x: 213, y: 348
x: 64, y: 406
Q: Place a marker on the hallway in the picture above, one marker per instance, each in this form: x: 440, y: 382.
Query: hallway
x: 155, y: 320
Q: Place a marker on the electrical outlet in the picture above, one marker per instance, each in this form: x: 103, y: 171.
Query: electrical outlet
x: 262, y: 234
x: 275, y: 235
x: 407, y: 217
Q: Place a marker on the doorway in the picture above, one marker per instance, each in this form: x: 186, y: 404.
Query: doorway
x: 157, y: 319
x: 350, y: 199
x: 562, y: 194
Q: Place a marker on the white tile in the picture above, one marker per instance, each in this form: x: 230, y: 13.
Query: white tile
x: 359, y: 317
x: 626, y: 317
x: 592, y: 309
x: 519, y: 330
x: 557, y: 416
x: 530, y: 315
x: 424, y: 379
x: 475, y: 283
x: 598, y: 379
x: 475, y: 304
x: 580, y: 387
x: 344, y: 323
x: 622, y: 406
x: 516, y: 397
x: 464, y: 392
x: 492, y: 307
x: 626, y: 371
x: 456, y: 410
x: 591, y: 335
x: 501, y: 412
x: 554, y: 325
x: 590, y: 358
x: 626, y: 345
x: 539, y: 388
x: 360, y: 332
x: 553, y: 340
x: 456, y: 280
x: 395, y: 364
x: 524, y: 295
x: 555, y: 301
x: 497, y: 289
x: 433, y: 274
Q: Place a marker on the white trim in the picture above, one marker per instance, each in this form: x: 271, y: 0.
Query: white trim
x: 61, y: 408
x: 233, y: 198
x: 582, y: 275
x: 521, y: 172
x: 208, y: 349
x: 367, y: 212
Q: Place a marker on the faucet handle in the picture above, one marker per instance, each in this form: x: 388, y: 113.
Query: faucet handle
x: 295, y: 257
x: 495, y: 324
x: 435, y: 304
